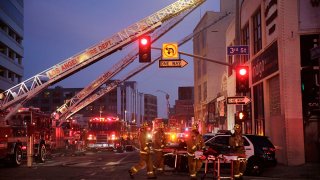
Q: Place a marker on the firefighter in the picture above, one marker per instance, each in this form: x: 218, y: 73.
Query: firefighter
x: 237, y: 147
x: 159, y: 144
x: 146, y: 151
x: 194, y: 143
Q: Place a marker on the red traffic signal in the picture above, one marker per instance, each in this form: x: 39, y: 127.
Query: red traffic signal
x: 242, y: 79
x: 145, y: 49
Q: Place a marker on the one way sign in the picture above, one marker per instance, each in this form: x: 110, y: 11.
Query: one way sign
x: 238, y: 100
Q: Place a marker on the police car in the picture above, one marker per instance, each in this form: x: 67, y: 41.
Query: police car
x: 260, y: 152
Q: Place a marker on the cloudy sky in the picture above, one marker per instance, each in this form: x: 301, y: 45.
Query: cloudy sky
x: 55, y: 30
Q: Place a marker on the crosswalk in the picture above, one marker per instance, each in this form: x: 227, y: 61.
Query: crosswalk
x: 89, y: 160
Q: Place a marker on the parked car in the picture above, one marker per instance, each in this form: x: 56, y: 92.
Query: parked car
x: 260, y: 151
x: 129, y: 148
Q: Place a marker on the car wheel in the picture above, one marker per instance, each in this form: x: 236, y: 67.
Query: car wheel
x: 42, y: 153
x: 254, y: 167
x: 17, y: 156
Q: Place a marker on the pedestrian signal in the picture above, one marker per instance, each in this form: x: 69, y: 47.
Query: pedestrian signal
x: 241, y: 116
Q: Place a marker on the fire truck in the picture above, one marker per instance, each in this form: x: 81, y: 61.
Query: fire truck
x: 104, y: 133
x: 14, y: 134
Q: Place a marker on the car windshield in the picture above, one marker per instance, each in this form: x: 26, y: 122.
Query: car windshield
x: 206, y: 137
x: 261, y: 141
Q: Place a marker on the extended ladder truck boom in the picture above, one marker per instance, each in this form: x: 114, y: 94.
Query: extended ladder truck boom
x: 93, y: 97
x: 26, y: 90
x: 127, y: 60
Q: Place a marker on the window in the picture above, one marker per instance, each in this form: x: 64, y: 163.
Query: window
x: 204, y: 90
x: 199, y: 93
x: 259, y: 109
x: 204, y: 67
x: 2, y: 71
x: 245, y: 40
x: 199, y: 68
x: 257, y: 34
x: 230, y: 61
x: 3, y: 49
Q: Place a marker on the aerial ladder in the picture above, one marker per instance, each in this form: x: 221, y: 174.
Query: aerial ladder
x: 16, y: 96
x: 127, y: 60
x: 103, y: 91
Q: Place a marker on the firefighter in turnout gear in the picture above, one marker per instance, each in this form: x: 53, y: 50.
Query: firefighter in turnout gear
x: 194, y: 143
x: 146, y: 152
x: 237, y: 148
x: 159, y: 144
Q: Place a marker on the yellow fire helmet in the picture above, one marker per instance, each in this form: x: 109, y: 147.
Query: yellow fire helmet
x: 144, y: 125
x: 195, y: 126
x: 161, y: 125
x: 237, y: 126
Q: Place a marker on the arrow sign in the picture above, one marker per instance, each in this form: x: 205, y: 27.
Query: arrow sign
x: 180, y: 63
x: 238, y: 100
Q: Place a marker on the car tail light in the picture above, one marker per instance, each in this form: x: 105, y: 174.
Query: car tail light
x: 24, y: 148
x: 268, y: 150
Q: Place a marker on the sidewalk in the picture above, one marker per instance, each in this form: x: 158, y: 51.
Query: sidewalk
x: 306, y: 171
x: 309, y: 171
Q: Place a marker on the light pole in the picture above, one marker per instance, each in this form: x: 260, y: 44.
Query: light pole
x: 168, y: 104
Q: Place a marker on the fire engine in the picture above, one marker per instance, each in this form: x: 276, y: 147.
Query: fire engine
x: 14, y: 133
x: 104, y: 133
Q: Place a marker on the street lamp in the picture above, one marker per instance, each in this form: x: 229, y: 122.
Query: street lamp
x: 168, y: 104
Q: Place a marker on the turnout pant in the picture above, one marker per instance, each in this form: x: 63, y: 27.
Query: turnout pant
x: 145, y: 160
x: 159, y: 160
x: 194, y: 166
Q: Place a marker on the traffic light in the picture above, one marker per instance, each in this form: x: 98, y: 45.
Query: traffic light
x: 242, y: 79
x: 241, y: 116
x: 145, y: 49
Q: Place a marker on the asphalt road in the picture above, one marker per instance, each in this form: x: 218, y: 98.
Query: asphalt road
x: 115, y: 166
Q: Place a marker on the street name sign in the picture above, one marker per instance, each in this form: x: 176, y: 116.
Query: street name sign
x: 238, y: 100
x: 170, y: 51
x: 180, y: 63
x: 238, y: 50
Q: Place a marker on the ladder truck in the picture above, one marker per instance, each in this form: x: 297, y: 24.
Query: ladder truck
x: 16, y: 96
x: 126, y: 61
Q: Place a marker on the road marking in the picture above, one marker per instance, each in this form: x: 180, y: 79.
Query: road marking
x: 117, y: 162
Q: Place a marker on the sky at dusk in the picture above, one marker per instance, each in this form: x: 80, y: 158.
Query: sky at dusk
x: 55, y: 30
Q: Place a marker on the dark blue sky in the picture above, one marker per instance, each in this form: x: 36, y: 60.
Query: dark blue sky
x: 58, y: 29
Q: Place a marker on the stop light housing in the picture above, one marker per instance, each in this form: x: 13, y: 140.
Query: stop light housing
x: 145, y: 49
x: 242, y: 79
x: 241, y: 116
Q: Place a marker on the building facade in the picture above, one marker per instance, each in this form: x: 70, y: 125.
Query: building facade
x: 11, y: 49
x: 284, y: 80
x: 150, y: 108
x: 283, y: 76
x: 183, y: 108
x: 125, y: 102
x: 208, y: 76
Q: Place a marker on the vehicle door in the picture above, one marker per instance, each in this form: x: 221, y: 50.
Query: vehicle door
x: 248, y: 146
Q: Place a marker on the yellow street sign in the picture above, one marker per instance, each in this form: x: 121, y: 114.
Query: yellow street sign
x: 180, y: 63
x: 170, y: 51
